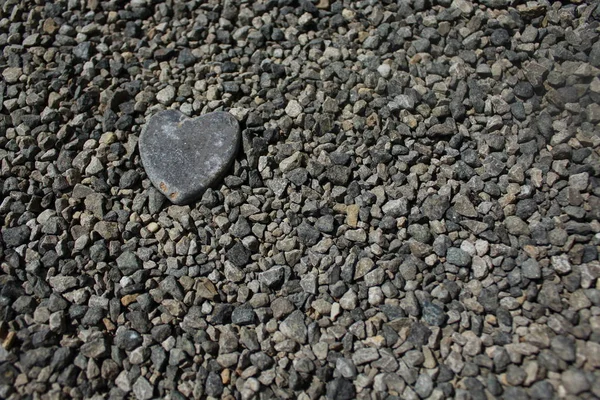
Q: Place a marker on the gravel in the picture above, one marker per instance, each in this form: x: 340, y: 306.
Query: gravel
x: 413, y: 210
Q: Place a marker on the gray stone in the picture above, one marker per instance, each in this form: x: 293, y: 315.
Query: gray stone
x: 579, y: 300
x: 356, y: 235
x: 261, y: 360
x: 445, y: 129
x: 307, y: 234
x: 575, y: 381
x: 542, y: 390
x: 241, y: 228
x: 458, y: 257
x: 493, y: 166
x: 531, y: 269
x: 419, y: 232
x: 82, y: 50
x: 293, y: 109
x: 214, y: 385
x: 363, y: 266
x: 338, y: 174
x: 128, y: 263
x: 345, y: 367
x: 500, y: 37
x: 593, y: 112
x: 414, y: 358
x: 366, y: 355
x: 128, y: 339
x: 24, y: 305
x: 139, y: 321
x: 594, y: 56
x: 516, y: 226
x: 558, y: 237
x: 349, y: 300
x: 524, y: 90
x: 273, y: 277
x: 294, y: 327
x: 561, y: 263
x: 309, y: 283
x: 404, y: 102
x: 340, y: 389
x: 528, y: 36
x: 463, y: 206
x: 525, y: 208
x: 166, y: 96
x: 418, y: 334
x: 12, y: 74
x: 281, y: 307
x: 564, y: 347
x: 61, y: 284
x: 515, y: 375
x: 8, y: 373
x: 94, y: 202
x: 550, y: 297
x: 234, y: 273
x: 96, y: 348
x: 424, y: 385
x: 108, y: 230
x: 325, y: 223
x: 433, y: 314
x: 243, y: 315
x: 183, y: 157
x: 396, y: 208
x: 434, y: 207
x: 292, y: 162
x: 579, y: 181
x: 239, y: 255
x: 129, y: 179
x: 441, y: 244
x: 14, y: 237
x: 375, y: 277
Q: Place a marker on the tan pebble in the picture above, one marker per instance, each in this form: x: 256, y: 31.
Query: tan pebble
x: 108, y: 324
x: 128, y: 299
x: 352, y: 215
x: 225, y: 376
x: 153, y: 227
x: 50, y: 26
x: 9, y: 340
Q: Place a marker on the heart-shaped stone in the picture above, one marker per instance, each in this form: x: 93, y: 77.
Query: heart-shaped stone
x: 184, y: 156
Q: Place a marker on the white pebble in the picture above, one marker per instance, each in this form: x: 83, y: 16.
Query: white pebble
x: 293, y: 109
x: 384, y: 70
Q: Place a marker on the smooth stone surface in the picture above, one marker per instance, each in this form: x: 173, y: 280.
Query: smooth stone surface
x: 184, y: 156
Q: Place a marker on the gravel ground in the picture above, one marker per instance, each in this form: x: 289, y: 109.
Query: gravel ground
x: 414, y: 212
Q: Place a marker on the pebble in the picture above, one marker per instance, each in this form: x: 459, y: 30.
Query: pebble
x: 142, y: 389
x: 458, y: 257
x: 385, y: 70
x: 433, y: 314
x: 346, y: 368
x: 294, y: 327
x: 293, y: 109
x: 172, y: 145
x: 349, y: 300
x: 167, y: 95
x: 531, y: 269
x: 12, y: 74
x: 574, y: 381
x: 14, y: 237
x: 340, y: 389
